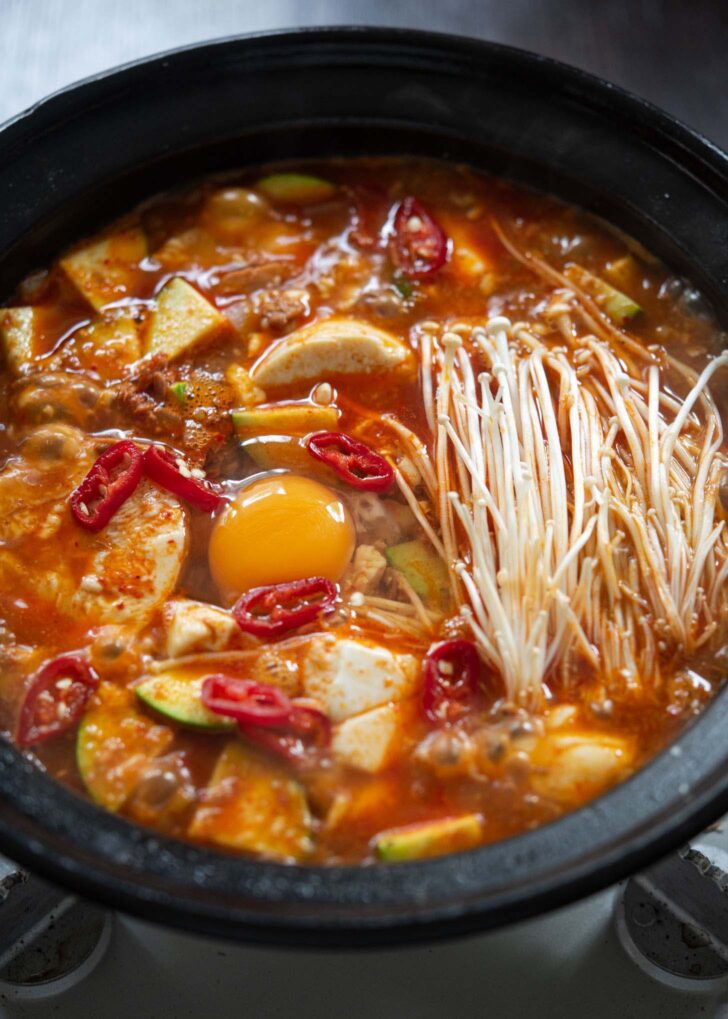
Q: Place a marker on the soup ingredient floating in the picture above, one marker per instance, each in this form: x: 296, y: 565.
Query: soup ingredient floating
x: 107, y: 486
x: 294, y: 730
x: 252, y: 804
x: 419, y: 244
x: 245, y: 701
x: 353, y: 461
x: 280, y: 529
x: 342, y: 346
x: 271, y: 611
x: 55, y: 698
x: 451, y: 680
x: 172, y: 473
x: 177, y: 695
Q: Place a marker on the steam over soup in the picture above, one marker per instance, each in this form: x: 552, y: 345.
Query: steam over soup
x: 369, y: 509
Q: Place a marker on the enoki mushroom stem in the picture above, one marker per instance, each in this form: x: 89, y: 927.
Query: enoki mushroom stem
x: 577, y: 510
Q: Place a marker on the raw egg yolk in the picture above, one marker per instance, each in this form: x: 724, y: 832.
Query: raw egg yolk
x: 277, y: 529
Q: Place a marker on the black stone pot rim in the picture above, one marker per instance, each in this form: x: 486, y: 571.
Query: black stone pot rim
x: 69, y: 840
x: 612, y: 97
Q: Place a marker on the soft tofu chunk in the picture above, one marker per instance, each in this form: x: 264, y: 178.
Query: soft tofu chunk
x: 108, y: 343
x: 349, y: 677
x: 105, y: 270
x: 183, y: 318
x: 577, y: 765
x: 18, y: 327
x: 366, y: 569
x: 116, y: 339
x: 470, y: 260
x: 468, y: 254
x: 334, y: 345
x: 368, y: 741
x: 133, y: 565
x: 192, y: 626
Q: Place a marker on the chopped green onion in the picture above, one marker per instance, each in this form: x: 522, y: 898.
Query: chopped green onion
x: 404, y: 287
x: 179, y: 391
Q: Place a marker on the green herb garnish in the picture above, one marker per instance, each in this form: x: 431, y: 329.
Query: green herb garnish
x: 179, y: 391
x: 404, y: 287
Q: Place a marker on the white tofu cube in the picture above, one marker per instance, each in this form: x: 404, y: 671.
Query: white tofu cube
x: 468, y: 254
x: 105, y: 270
x: 469, y: 259
x: 348, y: 676
x: 18, y: 331
x: 368, y: 741
x: 192, y: 626
x: 115, y: 337
x: 182, y: 319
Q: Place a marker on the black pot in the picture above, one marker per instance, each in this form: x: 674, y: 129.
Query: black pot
x: 92, y: 151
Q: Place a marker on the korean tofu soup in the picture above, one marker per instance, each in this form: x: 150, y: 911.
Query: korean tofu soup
x: 359, y: 510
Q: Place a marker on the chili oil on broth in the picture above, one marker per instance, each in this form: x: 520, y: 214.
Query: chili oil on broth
x: 227, y: 323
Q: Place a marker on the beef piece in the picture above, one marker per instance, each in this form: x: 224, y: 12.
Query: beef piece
x: 255, y: 275
x: 141, y: 398
x: 199, y: 425
x: 278, y: 308
x: 225, y: 459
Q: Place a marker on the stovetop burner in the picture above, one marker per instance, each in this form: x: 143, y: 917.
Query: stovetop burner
x: 656, y: 946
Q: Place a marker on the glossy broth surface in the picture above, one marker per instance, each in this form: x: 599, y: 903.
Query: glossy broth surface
x: 100, y: 346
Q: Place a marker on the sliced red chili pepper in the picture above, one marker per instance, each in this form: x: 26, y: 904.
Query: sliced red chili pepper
x: 306, y: 734
x: 268, y: 611
x: 419, y: 244
x: 55, y: 698
x: 354, y: 461
x: 109, y: 483
x: 246, y: 701
x: 450, y: 675
x: 294, y: 729
x: 171, y: 472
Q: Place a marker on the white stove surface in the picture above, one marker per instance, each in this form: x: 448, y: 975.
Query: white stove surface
x: 567, y: 964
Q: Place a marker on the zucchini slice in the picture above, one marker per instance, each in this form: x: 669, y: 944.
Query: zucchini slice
x: 616, y: 304
x: 178, y: 696
x: 429, y: 838
x: 285, y: 419
x: 114, y: 745
x: 296, y: 188
x: 253, y: 805
x: 286, y: 452
x: 422, y: 567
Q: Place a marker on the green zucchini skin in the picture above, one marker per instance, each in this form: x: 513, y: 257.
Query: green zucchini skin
x: 179, y: 699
